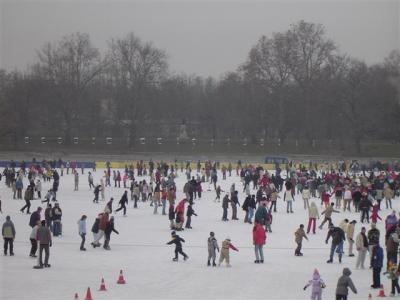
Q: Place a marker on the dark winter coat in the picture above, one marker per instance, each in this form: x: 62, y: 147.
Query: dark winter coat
x: 177, y: 240
x: 190, y: 211
x: 95, y: 227
x: 35, y: 216
x: 261, y: 214
x: 337, y: 235
x: 344, y: 283
x: 43, y: 235
x: 373, y: 236
x: 377, y: 257
x: 109, y: 229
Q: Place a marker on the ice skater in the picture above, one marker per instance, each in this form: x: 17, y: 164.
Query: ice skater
x: 177, y: 240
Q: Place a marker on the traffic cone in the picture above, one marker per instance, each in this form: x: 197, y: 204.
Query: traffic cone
x: 76, y: 296
x: 102, y: 285
x: 382, y: 293
x: 121, y: 279
x: 88, y: 294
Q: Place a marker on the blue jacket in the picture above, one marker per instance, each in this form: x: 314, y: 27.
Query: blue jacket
x: 377, y: 257
x: 82, y: 226
x: 19, y: 184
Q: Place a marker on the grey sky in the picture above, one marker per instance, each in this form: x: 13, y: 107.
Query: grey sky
x: 200, y: 37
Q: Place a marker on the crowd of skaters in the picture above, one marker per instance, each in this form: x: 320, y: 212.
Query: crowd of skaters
x: 349, y: 190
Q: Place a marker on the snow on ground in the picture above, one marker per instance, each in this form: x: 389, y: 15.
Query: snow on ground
x: 140, y: 251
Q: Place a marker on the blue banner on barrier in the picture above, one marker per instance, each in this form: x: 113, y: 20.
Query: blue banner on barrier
x: 52, y: 164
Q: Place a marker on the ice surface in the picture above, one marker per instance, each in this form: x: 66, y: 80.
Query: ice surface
x: 140, y: 251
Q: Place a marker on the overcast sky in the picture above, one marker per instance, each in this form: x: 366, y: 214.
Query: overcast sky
x: 200, y: 37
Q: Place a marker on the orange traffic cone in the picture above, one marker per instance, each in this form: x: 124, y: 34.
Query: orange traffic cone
x: 121, y: 279
x: 382, y: 293
x: 102, y: 285
x: 76, y: 296
x: 88, y: 294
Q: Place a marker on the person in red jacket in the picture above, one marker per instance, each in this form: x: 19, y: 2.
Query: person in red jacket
x: 326, y: 198
x: 374, y: 216
x: 180, y: 213
x: 259, y: 237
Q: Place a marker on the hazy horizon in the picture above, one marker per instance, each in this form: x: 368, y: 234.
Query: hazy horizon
x: 207, y: 38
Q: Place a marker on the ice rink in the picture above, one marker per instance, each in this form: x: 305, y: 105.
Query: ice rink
x: 140, y: 250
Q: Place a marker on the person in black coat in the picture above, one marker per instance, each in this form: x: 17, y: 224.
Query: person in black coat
x: 107, y: 232
x: 245, y: 207
x: 364, y: 207
x: 338, y: 238
x: 177, y: 240
x: 122, y: 202
x: 189, y: 213
x: 96, y: 193
x: 35, y: 217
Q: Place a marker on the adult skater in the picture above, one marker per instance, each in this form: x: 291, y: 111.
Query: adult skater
x: 312, y: 217
x: 189, y: 213
x: 224, y: 255
x: 43, y: 236
x: 349, y: 235
x: 328, y: 215
x: 376, y: 265
x: 35, y: 216
x: 96, y: 193
x: 123, y: 202
x: 259, y: 237
x: 177, y: 240
x: 212, y: 245
x: 33, y: 240
x: 317, y: 284
x: 107, y: 232
x: 82, y: 231
x: 393, y: 274
x: 343, y: 285
x: 76, y: 181
x: 288, y: 197
x: 362, y: 248
x: 8, y: 233
x: 225, y: 205
x: 338, y: 238
x: 90, y: 180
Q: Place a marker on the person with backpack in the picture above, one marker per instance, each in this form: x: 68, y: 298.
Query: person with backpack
x: 177, y: 240
x: 212, y: 246
x: 317, y: 285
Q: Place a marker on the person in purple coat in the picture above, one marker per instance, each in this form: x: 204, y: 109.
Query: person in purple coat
x: 317, y: 284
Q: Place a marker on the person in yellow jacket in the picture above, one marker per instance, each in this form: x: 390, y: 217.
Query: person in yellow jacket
x: 224, y: 255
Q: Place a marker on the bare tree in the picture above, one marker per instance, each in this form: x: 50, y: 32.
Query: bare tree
x: 136, y: 66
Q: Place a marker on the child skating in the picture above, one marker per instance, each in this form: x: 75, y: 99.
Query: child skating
x: 226, y: 245
x: 177, y: 240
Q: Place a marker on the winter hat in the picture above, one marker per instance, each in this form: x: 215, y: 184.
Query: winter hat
x: 173, y: 233
x: 8, y: 218
x: 228, y: 238
x: 353, y: 222
x: 212, y: 233
x: 316, y: 272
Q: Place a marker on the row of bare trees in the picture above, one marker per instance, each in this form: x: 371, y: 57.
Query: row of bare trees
x: 294, y: 85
